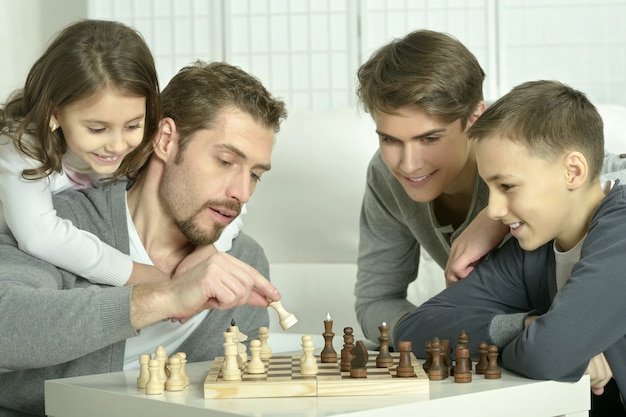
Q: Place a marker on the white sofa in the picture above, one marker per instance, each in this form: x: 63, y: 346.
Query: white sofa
x: 305, y: 214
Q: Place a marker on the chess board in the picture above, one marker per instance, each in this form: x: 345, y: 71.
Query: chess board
x: 283, y: 379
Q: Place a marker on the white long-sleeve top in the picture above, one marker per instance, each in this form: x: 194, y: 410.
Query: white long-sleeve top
x: 26, y: 209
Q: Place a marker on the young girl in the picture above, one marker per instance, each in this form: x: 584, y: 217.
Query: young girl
x: 87, y: 112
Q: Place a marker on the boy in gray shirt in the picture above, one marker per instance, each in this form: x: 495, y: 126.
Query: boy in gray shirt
x: 551, y: 298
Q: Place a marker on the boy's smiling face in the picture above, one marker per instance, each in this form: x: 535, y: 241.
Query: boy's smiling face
x: 526, y: 192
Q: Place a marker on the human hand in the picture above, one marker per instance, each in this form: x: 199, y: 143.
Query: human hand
x: 474, y: 243
x: 194, y: 258
x: 599, y: 372
x: 219, y: 282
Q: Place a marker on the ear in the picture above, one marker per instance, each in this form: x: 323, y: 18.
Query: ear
x: 165, y: 141
x: 478, y: 111
x: 54, y: 123
x: 576, y: 169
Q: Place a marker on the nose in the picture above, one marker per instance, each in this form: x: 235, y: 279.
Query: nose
x: 497, y: 207
x: 240, y: 188
x: 411, y: 158
x: 116, y: 143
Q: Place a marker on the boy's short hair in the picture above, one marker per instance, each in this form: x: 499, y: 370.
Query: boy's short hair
x: 431, y: 70
x: 549, y: 118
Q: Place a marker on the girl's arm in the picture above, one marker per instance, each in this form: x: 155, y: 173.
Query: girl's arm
x: 29, y: 214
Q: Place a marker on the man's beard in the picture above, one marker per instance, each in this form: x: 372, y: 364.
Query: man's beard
x: 195, y: 235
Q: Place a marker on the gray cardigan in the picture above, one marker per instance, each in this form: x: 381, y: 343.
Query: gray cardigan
x: 393, y: 231
x: 54, y: 324
x: 584, y: 318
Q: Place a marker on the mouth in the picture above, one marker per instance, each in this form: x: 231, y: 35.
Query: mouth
x: 105, y: 159
x: 514, y: 227
x: 420, y: 180
x: 225, y: 215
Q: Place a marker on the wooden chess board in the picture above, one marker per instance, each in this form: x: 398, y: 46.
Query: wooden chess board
x: 283, y: 379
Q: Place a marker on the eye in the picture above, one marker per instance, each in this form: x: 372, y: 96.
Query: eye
x: 135, y: 126
x: 223, y: 162
x: 506, y: 187
x: 430, y: 139
x: 255, y: 177
x: 387, y: 139
x: 95, y: 131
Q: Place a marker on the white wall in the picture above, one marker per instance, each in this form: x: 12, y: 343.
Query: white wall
x: 307, y: 51
x: 25, y: 28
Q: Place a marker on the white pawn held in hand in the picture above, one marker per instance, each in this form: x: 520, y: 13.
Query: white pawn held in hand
x: 286, y: 319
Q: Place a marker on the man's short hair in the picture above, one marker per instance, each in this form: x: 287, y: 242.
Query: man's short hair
x: 198, y: 93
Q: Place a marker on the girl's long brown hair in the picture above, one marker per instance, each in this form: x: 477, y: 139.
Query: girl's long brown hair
x: 81, y: 61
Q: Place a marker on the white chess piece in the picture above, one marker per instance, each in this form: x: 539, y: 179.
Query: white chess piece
x: 175, y: 382
x: 238, y: 338
x: 144, y: 371
x: 230, y: 369
x: 309, y: 362
x: 161, y: 355
x: 256, y: 365
x: 266, y: 350
x: 154, y: 385
x: 305, y: 341
x: 286, y: 319
x: 183, y: 362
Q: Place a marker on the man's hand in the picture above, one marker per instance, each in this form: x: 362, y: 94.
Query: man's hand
x: 599, y: 372
x: 474, y: 243
x: 220, y: 281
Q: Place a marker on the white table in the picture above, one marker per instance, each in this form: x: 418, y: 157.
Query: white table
x: 116, y: 394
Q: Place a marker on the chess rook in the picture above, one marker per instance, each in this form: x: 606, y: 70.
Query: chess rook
x: 405, y: 368
x: 286, y: 319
